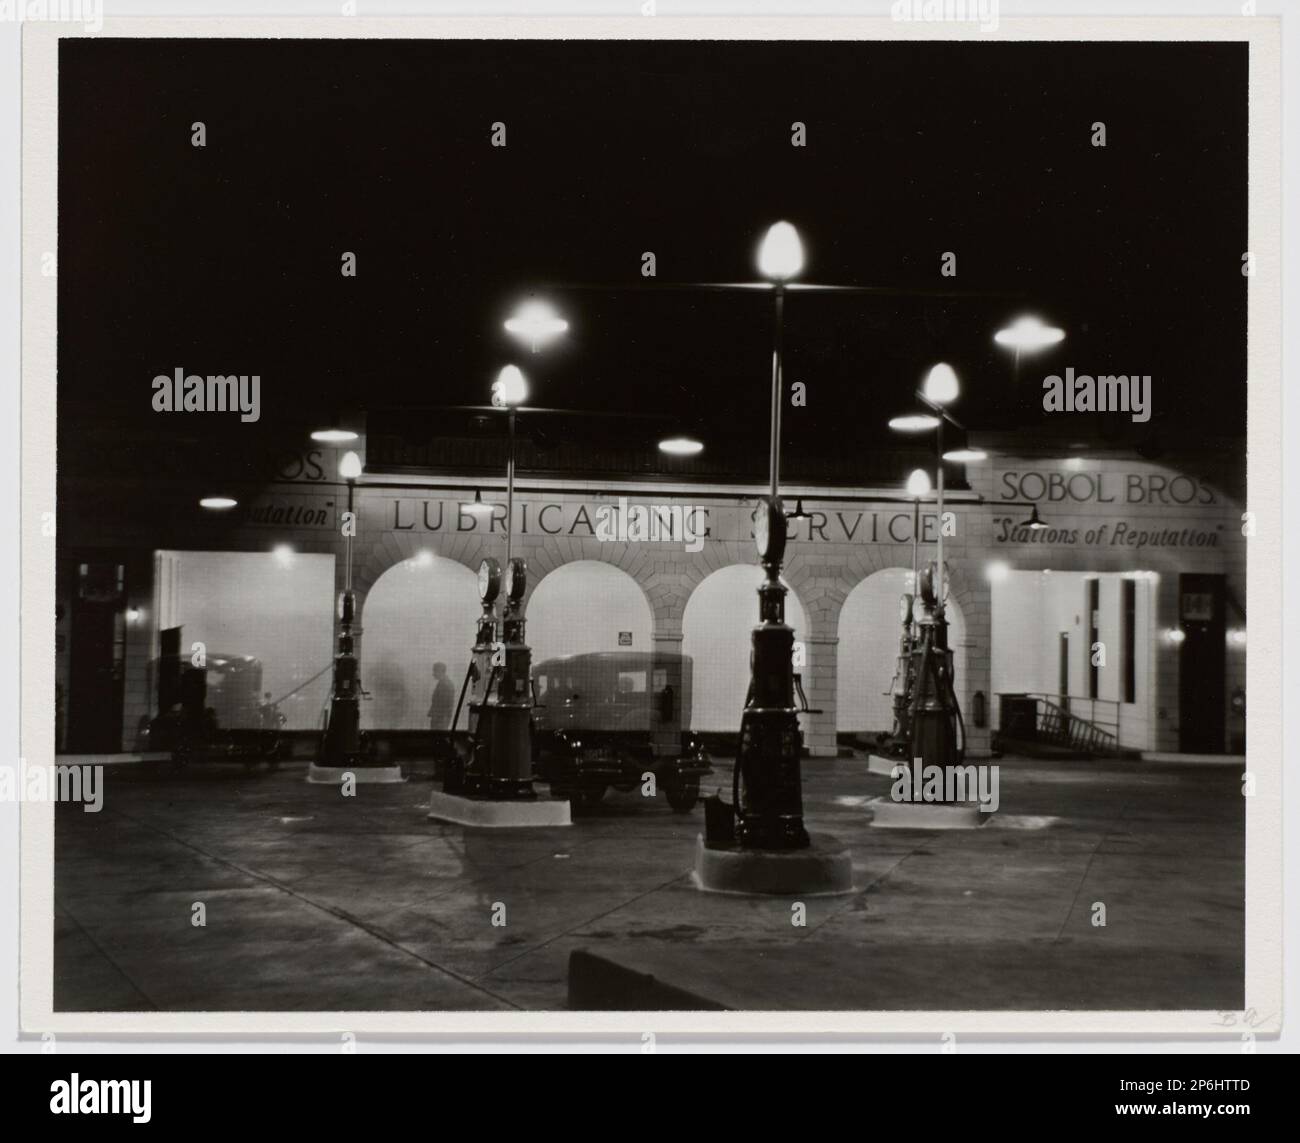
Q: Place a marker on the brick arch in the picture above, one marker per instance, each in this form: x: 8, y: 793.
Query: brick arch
x: 563, y: 627
x: 861, y: 565
x: 699, y: 573
x: 712, y: 677
x: 548, y: 555
x: 552, y: 566
x: 373, y: 559
x: 878, y: 666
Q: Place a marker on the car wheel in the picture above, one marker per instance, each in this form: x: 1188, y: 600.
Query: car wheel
x: 682, y: 796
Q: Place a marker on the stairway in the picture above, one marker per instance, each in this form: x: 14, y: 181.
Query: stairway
x: 1058, y: 733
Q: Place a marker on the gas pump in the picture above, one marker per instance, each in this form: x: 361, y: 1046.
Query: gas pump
x: 503, y: 748
x: 937, y: 734
x: 342, y: 745
x: 768, y: 793
x: 500, y: 763
x: 759, y: 844
x: 903, y: 684
x: 493, y: 785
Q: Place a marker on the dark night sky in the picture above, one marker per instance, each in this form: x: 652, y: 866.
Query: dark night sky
x: 226, y: 259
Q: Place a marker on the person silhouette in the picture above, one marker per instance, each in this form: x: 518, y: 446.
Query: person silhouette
x: 443, y: 701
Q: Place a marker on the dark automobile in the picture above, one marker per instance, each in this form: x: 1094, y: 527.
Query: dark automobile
x: 608, y: 718
x: 218, y: 717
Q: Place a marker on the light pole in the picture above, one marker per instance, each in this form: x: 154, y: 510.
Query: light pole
x: 918, y: 487
x: 500, y: 766
x: 779, y: 258
x: 767, y: 788
x: 933, y: 722
x: 341, y: 746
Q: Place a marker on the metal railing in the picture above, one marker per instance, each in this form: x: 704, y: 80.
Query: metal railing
x: 1061, y: 721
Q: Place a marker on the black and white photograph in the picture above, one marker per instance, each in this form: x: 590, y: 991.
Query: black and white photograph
x: 560, y: 524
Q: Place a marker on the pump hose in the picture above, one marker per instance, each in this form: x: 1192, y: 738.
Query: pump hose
x: 922, y: 671
x: 460, y: 702
x: 961, y: 722
x: 300, y: 686
x: 735, y: 774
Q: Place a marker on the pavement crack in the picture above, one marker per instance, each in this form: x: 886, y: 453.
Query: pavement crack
x: 338, y: 914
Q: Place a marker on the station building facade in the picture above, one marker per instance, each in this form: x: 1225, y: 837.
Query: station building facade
x: 1126, y: 608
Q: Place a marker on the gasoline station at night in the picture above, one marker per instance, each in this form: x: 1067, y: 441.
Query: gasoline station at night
x: 675, y: 636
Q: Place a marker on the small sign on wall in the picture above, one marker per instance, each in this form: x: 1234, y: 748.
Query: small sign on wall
x: 625, y: 638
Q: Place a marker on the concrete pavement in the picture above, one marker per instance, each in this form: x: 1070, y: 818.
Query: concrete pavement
x: 315, y: 901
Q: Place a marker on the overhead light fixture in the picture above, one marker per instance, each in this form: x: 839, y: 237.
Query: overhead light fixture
x: 510, y: 388
x: 681, y: 446
x: 965, y: 455
x: 349, y: 465
x: 941, y: 386
x: 536, y: 323
x: 218, y: 503
x: 918, y: 484
x: 1028, y: 334
x: 781, y: 254
x: 477, y: 507
x: 913, y: 423
x: 333, y: 435
x: 1033, y: 523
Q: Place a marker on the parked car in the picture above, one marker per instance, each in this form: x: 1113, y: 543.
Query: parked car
x: 194, y: 729
x: 608, y: 718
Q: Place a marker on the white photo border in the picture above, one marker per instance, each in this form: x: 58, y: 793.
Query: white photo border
x: 1264, y: 898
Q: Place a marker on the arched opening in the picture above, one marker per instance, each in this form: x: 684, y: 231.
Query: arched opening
x: 586, y: 606
x: 867, y: 658
x: 720, y: 616
x: 418, y: 614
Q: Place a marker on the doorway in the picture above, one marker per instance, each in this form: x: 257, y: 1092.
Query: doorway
x: 1201, y: 665
x: 96, y: 677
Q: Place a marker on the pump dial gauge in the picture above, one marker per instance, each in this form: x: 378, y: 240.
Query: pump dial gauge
x: 770, y: 529
x: 516, y: 579
x: 489, y: 580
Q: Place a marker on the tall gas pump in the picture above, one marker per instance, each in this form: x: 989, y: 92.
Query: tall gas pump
x: 903, y: 685
x: 767, y: 783
x: 342, y: 752
x: 493, y: 785
x: 500, y: 763
x: 759, y: 843
x: 342, y: 744
x: 937, y: 734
